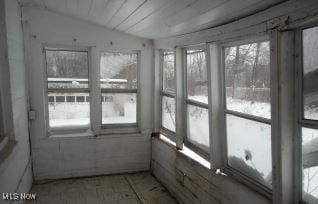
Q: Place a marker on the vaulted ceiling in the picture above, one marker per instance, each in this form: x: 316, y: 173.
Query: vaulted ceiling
x: 154, y: 18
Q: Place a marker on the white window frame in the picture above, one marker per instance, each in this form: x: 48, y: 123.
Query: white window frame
x: 78, y: 129
x: 301, y: 122
x: 122, y: 127
x: 188, y: 101
x: 236, y: 174
x: 170, y: 134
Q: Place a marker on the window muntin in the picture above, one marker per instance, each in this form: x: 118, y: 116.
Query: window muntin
x: 197, y: 88
x: 169, y: 113
x: 168, y: 103
x: 310, y: 73
x: 67, y: 78
x: 118, y: 82
x: 247, y: 79
x: 248, y: 110
x: 197, y: 137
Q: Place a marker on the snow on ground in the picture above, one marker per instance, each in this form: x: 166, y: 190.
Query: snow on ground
x: 251, y: 142
x: 168, y: 113
x: 310, y: 175
x: 69, y: 114
x: 198, y: 127
x: 257, y: 108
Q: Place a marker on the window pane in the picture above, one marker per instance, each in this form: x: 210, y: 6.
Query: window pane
x: 198, y: 125
x: 310, y: 73
x: 80, y: 99
x: 168, y: 72
x: 169, y: 113
x: 197, y: 76
x: 249, y: 148
x: 118, y: 70
x: 68, y: 113
x: 247, y: 79
x: 67, y: 69
x: 119, y: 108
x: 310, y: 164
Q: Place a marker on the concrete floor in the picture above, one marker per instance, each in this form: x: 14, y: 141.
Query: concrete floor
x: 119, y: 189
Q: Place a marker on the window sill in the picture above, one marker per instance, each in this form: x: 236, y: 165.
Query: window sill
x: 248, y: 182
x: 187, y: 152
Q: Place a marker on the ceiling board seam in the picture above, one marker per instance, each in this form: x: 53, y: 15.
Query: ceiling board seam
x: 131, y: 13
x: 116, y: 11
x: 150, y: 14
x: 179, y: 10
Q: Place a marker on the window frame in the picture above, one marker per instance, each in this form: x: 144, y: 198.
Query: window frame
x: 128, y: 127
x: 68, y: 129
x: 236, y: 174
x: 301, y: 122
x: 170, y: 134
x: 187, y: 101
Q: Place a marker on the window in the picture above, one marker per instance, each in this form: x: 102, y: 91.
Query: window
x: 119, y: 82
x: 309, y: 116
x: 248, y: 110
x: 197, y: 101
x: 67, y: 78
x: 168, y: 108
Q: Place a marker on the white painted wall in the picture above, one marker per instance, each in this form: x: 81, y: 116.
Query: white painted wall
x: 62, y: 157
x: 15, y: 164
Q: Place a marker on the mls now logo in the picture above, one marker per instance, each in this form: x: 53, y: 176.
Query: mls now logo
x: 18, y: 196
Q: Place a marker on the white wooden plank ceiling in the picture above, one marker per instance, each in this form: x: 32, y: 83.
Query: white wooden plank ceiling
x: 154, y: 18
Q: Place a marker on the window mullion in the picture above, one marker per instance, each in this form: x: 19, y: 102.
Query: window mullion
x: 180, y: 90
x: 95, y: 102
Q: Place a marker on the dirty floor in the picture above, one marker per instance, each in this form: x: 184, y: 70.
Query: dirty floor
x: 120, y: 189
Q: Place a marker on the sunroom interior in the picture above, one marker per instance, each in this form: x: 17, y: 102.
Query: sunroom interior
x: 157, y: 101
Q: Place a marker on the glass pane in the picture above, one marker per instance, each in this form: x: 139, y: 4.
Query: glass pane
x: 247, y: 79
x: 310, y: 73
x: 118, y: 70
x: 197, y: 76
x: 198, y: 125
x: 67, y: 69
x: 65, y: 111
x: 310, y: 164
x: 169, y: 113
x: 249, y: 148
x: 119, y: 108
x: 168, y: 72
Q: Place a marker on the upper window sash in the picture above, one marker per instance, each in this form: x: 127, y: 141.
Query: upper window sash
x: 168, y: 72
x: 196, y: 72
x: 119, y: 71
x: 247, y: 82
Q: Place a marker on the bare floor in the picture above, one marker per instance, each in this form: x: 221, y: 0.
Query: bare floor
x: 119, y: 189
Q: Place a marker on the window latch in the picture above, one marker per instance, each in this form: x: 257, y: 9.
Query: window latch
x: 32, y: 114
